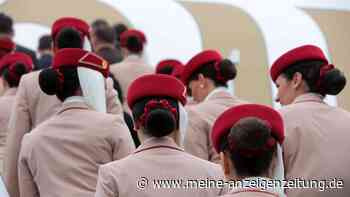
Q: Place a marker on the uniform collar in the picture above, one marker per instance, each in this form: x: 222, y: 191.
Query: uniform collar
x: 247, y: 182
x: 155, y: 143
x: 74, y: 102
x: 309, y: 97
x: 133, y: 58
x: 217, y: 92
x: 10, y: 92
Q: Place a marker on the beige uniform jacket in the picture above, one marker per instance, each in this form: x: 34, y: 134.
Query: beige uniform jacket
x: 61, y: 156
x: 127, y: 71
x: 317, y: 145
x: 31, y: 107
x: 6, y: 103
x: 155, y: 160
x: 201, y: 118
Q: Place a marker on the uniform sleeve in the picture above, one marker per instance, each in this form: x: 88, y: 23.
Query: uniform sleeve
x: 106, y: 186
x: 27, y: 185
x: 291, y: 143
x: 196, y: 139
x: 290, y: 148
x: 19, y: 124
x: 213, y: 155
x: 113, y: 104
x: 121, y: 140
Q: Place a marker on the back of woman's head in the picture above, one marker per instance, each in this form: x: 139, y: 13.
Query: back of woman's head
x: 63, y: 82
x: 218, y: 72
x: 320, y: 78
x: 156, y: 115
x: 69, y: 38
x: 14, y: 73
x: 13, y: 66
x: 167, y: 70
x: 133, y: 41
x: 251, y: 146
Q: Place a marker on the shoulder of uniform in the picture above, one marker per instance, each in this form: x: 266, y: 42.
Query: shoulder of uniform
x: 118, y: 166
x: 30, y: 79
x: 108, y: 120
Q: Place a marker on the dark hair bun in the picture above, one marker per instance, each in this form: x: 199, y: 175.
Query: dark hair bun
x: 14, y: 73
x: 228, y: 69
x: 160, y: 122
x: 134, y: 44
x: 49, y: 81
x: 333, y: 82
x: 167, y: 70
x: 20, y: 69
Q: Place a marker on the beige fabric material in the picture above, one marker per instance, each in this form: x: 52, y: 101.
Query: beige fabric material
x: 61, y: 156
x: 6, y: 103
x: 32, y: 107
x: 201, y: 118
x: 127, y: 71
x: 157, y: 158
x: 317, y: 145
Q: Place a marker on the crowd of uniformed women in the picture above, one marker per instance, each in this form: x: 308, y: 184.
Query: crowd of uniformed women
x: 83, y: 127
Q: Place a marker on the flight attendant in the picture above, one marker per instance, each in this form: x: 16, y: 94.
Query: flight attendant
x: 157, y: 105
x: 32, y: 106
x: 168, y: 66
x: 248, y: 138
x: 206, y: 76
x: 132, y: 43
x: 61, y: 156
x: 316, y: 145
x: 12, y: 67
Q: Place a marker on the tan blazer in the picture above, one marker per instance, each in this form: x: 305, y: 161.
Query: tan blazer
x: 6, y: 102
x: 61, y: 156
x: 32, y: 106
x: 201, y: 118
x: 316, y: 144
x: 127, y: 71
x: 155, y: 159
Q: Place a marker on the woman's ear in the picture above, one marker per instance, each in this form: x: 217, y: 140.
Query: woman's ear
x: 201, y: 78
x: 297, y: 80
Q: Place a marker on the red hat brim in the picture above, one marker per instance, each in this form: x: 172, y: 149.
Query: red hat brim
x: 71, y: 22
x: 299, y: 54
x: 197, y: 61
x: 230, y: 117
x: 169, y: 62
x: 16, y: 57
x: 131, y: 32
x: 74, y: 57
x: 156, y: 85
